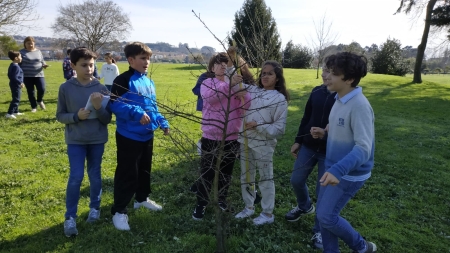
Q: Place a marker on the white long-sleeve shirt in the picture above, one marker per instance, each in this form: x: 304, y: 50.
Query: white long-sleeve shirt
x: 268, y: 108
x: 109, y: 72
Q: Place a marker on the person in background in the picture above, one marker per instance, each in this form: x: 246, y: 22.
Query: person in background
x: 109, y: 70
x: 67, y: 69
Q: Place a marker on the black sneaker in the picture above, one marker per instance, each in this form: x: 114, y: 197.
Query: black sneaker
x: 371, y: 247
x: 225, y: 207
x: 317, y: 240
x: 296, y: 213
x: 199, y: 212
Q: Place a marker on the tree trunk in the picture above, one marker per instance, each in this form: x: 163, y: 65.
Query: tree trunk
x: 318, y: 67
x: 423, y: 44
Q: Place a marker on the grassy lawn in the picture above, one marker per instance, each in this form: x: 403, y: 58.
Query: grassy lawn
x: 404, y: 206
x: 437, y: 78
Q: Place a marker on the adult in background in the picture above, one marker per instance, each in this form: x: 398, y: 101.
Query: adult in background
x: 33, y: 65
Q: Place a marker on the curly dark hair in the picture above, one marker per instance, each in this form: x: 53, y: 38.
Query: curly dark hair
x: 351, y: 65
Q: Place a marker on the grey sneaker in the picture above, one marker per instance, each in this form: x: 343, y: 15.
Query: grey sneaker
x: 370, y: 247
x: 94, y: 215
x: 317, y: 240
x: 70, y: 227
x: 296, y: 213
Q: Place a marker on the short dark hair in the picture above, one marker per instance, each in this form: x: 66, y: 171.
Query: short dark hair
x: 136, y: 48
x: 81, y: 52
x: 218, y: 58
x: 68, y: 51
x: 351, y: 65
x: 13, y: 54
x: 29, y: 38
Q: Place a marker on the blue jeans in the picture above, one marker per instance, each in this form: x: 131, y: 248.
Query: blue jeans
x: 30, y: 82
x: 16, y: 93
x: 77, y: 155
x: 306, y: 160
x: 332, y: 200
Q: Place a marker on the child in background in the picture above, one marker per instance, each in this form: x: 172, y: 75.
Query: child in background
x: 85, y: 138
x: 309, y: 152
x: 67, y: 69
x: 15, y: 75
x: 133, y: 101
x: 265, y: 121
x: 109, y: 70
x: 222, y: 110
x: 350, y: 151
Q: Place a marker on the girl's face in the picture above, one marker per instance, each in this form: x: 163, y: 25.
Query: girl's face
x: 29, y: 45
x: 219, y: 69
x: 108, y: 59
x: 268, y: 77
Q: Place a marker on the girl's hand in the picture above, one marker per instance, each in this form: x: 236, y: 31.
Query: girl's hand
x: 328, y: 179
x: 250, y: 125
x: 83, y: 114
x: 317, y: 132
x: 236, y: 79
x: 96, y: 99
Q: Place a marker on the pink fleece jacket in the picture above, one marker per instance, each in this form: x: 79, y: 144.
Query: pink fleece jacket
x: 220, y: 105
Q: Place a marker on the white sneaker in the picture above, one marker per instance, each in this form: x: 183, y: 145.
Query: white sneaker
x: 42, y: 105
x: 10, y: 116
x: 263, y: 219
x: 120, y: 221
x: 18, y: 114
x: 33, y: 110
x: 149, y: 204
x: 245, y: 213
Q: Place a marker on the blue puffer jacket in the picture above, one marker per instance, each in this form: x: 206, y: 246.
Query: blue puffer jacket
x: 133, y: 94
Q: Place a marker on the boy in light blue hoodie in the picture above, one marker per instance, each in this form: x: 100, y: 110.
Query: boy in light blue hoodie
x: 350, y: 152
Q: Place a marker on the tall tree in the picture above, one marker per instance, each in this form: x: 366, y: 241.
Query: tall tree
x: 323, y: 39
x: 7, y: 43
x: 297, y: 56
x: 407, y: 6
x: 92, y: 23
x: 255, y: 33
x: 440, y: 17
x: 389, y: 59
x: 17, y: 14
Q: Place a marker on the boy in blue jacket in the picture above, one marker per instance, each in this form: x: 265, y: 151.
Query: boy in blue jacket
x: 15, y: 75
x: 133, y: 101
x: 350, y: 152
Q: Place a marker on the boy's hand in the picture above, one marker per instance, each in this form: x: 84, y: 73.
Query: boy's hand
x: 317, y: 132
x: 328, y: 179
x: 96, y: 99
x: 166, y: 131
x: 294, y: 149
x: 83, y: 114
x: 22, y: 85
x: 145, y: 119
x: 250, y: 125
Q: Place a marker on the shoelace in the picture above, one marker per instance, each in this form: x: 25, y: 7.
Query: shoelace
x: 94, y: 213
x: 317, y: 237
x: 296, y: 209
x: 123, y: 217
x: 71, y: 223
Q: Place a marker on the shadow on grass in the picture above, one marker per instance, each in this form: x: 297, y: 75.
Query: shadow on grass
x: 192, y: 67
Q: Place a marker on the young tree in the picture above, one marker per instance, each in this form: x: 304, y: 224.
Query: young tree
x: 297, y: 56
x: 389, y: 59
x: 323, y: 39
x: 92, y: 23
x: 17, y: 14
x: 255, y: 33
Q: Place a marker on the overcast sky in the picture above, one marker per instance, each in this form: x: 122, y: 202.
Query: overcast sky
x: 172, y: 21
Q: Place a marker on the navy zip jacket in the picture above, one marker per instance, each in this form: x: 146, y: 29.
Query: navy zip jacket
x: 316, y: 114
x: 15, y: 75
x: 132, y: 95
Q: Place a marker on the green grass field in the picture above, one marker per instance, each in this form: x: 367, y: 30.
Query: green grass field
x: 404, y: 207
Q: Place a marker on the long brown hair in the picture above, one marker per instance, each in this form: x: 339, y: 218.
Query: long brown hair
x: 280, y: 85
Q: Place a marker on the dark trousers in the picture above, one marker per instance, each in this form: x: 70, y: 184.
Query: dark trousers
x: 30, y: 82
x: 16, y: 93
x: 210, y: 152
x: 132, y: 177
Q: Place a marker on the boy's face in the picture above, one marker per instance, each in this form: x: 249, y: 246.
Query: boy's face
x: 84, y: 69
x: 18, y: 59
x: 140, y: 62
x: 336, y: 83
x: 325, y: 72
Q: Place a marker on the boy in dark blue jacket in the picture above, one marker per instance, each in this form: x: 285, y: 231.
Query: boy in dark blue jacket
x: 15, y: 75
x: 67, y: 69
x: 133, y: 101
